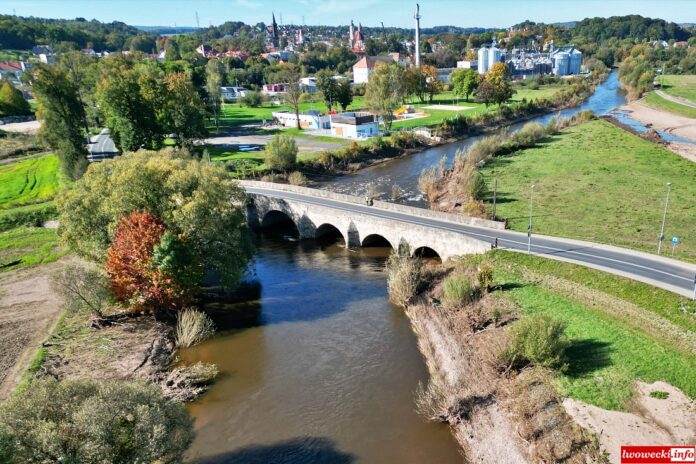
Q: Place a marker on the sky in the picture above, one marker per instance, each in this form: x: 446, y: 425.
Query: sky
x: 399, y: 13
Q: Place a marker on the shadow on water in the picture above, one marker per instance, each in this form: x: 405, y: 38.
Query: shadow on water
x: 309, y: 450
x: 587, y: 356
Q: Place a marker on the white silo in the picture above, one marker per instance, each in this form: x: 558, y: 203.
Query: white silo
x: 482, y: 60
x: 575, y: 61
x: 561, y: 60
x: 494, y: 56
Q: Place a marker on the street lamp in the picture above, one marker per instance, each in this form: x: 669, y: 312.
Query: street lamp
x: 664, y: 219
x: 529, y: 227
x: 495, y: 194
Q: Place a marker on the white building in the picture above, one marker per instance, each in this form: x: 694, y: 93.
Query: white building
x: 487, y: 57
x: 467, y: 64
x: 483, y: 60
x: 308, y: 120
x: 232, y: 93
x: 566, y: 60
x: 308, y: 84
x: 363, y: 68
x: 354, y: 125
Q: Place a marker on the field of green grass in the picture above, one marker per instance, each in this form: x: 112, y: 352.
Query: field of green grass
x: 655, y: 101
x: 598, y: 182
x: 27, y: 189
x: 31, y: 181
x: 683, y: 86
x: 607, y: 353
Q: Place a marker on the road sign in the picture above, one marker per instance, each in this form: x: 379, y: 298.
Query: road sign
x: 675, y: 240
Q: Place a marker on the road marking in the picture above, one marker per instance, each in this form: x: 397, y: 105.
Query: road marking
x: 403, y: 217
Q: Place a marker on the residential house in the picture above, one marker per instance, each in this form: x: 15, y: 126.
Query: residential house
x: 363, y: 68
x: 309, y: 120
x: 232, y: 94
x: 309, y: 84
x: 13, y: 71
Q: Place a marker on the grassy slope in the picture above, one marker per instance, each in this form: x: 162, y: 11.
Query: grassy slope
x: 600, y: 183
x: 655, y: 101
x: 680, y: 86
x: 24, y: 186
x: 607, y: 354
x: 31, y: 181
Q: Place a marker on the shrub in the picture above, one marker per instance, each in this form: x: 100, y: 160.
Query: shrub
x: 396, y: 192
x: 192, y: 327
x: 85, y: 421
x: 403, y: 278
x: 297, y: 178
x: 427, y: 183
x: 82, y: 289
x: 660, y: 395
x: 484, y: 276
x: 252, y: 99
x: 282, y: 152
x: 477, y: 186
x: 538, y: 339
x: 459, y: 291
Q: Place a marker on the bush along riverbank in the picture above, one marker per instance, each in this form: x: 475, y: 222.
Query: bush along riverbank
x: 536, y: 361
x: 359, y: 155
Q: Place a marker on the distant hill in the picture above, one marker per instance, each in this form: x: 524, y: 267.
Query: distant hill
x: 167, y: 30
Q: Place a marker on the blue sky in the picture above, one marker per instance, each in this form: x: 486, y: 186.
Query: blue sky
x: 486, y: 13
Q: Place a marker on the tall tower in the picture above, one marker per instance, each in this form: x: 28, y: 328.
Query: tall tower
x: 351, y: 36
x: 417, y: 17
x: 275, y: 32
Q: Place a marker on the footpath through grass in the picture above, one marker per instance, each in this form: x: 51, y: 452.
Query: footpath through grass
x: 607, y: 353
x: 683, y: 86
x: 653, y: 100
x: 27, y: 189
x: 600, y: 183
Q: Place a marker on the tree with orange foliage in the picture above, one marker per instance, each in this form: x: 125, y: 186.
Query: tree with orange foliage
x: 136, y: 279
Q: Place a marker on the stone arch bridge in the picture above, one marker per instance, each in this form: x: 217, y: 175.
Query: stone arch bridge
x: 319, y: 212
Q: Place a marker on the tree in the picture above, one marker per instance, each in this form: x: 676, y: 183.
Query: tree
x: 198, y: 203
x: 12, y: 102
x: 86, y: 421
x: 464, y: 82
x: 290, y: 75
x: 82, y: 289
x: 433, y: 86
x: 282, y: 152
x: 184, y: 109
x: 143, y: 43
x: 386, y: 90
x: 484, y: 93
x: 213, y: 82
x: 130, y: 112
x: 328, y: 87
x: 61, y: 114
x: 134, y: 270
x: 344, y: 94
x: 171, y: 50
x: 416, y: 83
x: 499, y: 79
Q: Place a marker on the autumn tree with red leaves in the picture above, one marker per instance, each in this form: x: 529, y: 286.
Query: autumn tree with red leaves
x: 136, y: 279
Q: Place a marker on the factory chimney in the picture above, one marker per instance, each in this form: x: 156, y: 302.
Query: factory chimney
x: 351, y: 36
x: 417, y: 17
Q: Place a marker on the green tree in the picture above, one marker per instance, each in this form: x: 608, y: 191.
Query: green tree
x: 328, y: 87
x: 282, y: 152
x: 185, y: 110
x: 498, y: 77
x: 171, y: 50
x: 415, y: 82
x: 344, y: 94
x: 61, y: 114
x: 213, y: 81
x: 143, y: 43
x: 129, y: 104
x: 464, y: 82
x: 198, y: 203
x: 433, y: 86
x: 290, y: 74
x: 386, y: 90
x: 12, y: 102
x: 84, y: 421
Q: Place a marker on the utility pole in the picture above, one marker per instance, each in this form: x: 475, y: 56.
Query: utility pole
x: 664, y: 219
x: 495, y: 194
x: 417, y: 17
x: 694, y: 288
x: 529, y: 227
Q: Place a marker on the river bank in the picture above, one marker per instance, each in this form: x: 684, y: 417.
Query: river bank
x: 597, y: 401
x: 669, y: 123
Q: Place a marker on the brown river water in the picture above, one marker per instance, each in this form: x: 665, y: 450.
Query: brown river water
x: 325, y: 370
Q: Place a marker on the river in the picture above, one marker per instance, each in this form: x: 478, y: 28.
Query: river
x: 324, y: 369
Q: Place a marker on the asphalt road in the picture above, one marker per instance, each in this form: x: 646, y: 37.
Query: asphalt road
x: 101, y: 146
x: 661, y: 272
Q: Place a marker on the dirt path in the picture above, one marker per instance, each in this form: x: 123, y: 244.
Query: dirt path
x: 677, y: 100
x: 28, y: 311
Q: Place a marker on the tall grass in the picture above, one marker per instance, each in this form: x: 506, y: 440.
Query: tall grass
x: 403, y: 278
x: 192, y: 327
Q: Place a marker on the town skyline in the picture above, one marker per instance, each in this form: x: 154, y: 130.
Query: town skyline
x: 463, y: 13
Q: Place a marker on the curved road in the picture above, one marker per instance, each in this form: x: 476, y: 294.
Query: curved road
x: 677, y: 100
x: 669, y: 274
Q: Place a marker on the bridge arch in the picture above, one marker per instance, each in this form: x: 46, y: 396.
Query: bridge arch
x: 427, y: 253
x: 279, y: 222
x: 329, y: 233
x: 376, y: 240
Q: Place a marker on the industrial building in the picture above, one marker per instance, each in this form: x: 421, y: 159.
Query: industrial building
x: 566, y: 60
x: 487, y: 57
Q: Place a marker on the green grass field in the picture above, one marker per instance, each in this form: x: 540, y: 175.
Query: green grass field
x: 655, y: 101
x: 607, y: 354
x: 30, y: 181
x: 683, y: 86
x: 600, y: 183
x: 27, y: 189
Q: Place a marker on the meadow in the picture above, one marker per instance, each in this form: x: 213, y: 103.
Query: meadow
x: 600, y: 183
